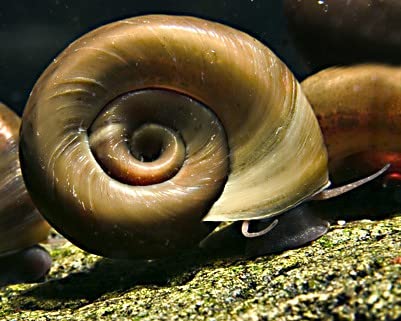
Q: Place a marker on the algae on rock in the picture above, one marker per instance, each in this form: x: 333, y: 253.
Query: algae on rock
x: 352, y: 273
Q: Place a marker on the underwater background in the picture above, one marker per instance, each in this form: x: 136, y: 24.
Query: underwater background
x: 33, y: 33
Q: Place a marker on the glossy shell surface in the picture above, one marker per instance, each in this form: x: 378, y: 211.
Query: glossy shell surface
x: 21, y: 225
x: 260, y: 143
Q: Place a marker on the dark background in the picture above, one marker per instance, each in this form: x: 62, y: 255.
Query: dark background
x: 32, y: 33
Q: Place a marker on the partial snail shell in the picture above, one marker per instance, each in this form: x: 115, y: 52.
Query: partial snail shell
x: 233, y: 137
x: 21, y: 226
x: 338, y: 32
x: 359, y: 111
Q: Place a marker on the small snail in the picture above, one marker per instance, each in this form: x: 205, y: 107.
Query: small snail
x: 21, y: 226
x: 339, y: 32
x: 233, y: 137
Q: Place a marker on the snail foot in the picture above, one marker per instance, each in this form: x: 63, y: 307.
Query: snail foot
x: 295, y: 228
x: 289, y: 230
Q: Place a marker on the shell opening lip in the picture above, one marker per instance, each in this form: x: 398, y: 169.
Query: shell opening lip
x: 262, y: 213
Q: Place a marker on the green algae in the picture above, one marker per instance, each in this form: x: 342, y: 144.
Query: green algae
x: 352, y: 273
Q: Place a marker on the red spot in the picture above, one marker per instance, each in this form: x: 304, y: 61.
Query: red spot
x: 396, y: 260
x: 392, y: 179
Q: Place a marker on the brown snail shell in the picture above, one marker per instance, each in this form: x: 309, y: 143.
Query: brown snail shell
x: 153, y: 79
x: 18, y: 215
x: 21, y: 225
x: 359, y: 112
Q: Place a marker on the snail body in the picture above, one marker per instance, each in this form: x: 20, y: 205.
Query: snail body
x: 21, y: 226
x: 259, y: 153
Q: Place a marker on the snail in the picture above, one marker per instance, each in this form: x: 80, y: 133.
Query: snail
x: 21, y: 226
x: 339, y: 32
x: 197, y: 91
x: 147, y: 136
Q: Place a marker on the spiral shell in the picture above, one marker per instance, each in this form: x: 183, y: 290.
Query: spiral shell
x: 87, y: 128
x: 21, y: 226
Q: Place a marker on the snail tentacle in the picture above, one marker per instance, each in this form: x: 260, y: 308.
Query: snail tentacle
x: 245, y: 229
x: 337, y: 191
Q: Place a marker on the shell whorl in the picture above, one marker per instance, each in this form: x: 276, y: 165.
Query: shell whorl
x: 21, y: 225
x: 259, y: 152
x: 359, y: 111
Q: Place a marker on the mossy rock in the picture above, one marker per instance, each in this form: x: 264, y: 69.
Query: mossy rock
x: 352, y: 273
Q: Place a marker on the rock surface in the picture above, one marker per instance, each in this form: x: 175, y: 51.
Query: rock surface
x: 352, y: 273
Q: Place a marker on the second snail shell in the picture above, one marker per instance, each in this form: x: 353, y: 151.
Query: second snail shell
x: 21, y: 226
x: 229, y: 122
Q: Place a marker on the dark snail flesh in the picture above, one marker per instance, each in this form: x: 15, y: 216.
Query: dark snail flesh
x: 21, y: 226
